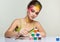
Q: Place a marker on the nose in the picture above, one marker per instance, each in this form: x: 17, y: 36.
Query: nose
x: 34, y: 15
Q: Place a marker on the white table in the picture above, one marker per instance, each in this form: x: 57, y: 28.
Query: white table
x: 47, y: 39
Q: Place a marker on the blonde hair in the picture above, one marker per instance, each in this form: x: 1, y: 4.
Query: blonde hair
x: 35, y: 3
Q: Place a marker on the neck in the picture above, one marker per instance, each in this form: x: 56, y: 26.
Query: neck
x: 28, y: 20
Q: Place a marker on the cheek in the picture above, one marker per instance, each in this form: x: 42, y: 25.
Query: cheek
x: 29, y: 15
x: 36, y: 15
x: 29, y: 12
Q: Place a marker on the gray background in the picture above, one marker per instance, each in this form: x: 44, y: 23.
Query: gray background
x: 49, y: 17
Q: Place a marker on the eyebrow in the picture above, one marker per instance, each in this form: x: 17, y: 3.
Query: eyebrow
x: 34, y: 11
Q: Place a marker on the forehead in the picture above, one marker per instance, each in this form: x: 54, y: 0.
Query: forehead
x: 35, y: 8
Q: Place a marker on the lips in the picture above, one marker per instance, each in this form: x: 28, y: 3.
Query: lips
x: 32, y: 17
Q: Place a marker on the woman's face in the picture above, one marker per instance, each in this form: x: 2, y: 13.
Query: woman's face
x: 33, y: 12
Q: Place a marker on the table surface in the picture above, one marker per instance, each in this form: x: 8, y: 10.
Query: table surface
x: 46, y: 39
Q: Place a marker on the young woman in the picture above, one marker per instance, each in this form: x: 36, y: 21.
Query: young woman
x: 24, y: 25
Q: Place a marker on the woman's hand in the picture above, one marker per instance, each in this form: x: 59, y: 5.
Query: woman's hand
x: 16, y: 34
x: 24, y: 31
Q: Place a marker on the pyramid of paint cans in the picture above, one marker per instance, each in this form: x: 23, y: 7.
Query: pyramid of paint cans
x: 35, y: 34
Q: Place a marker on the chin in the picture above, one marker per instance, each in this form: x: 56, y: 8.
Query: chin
x: 31, y: 18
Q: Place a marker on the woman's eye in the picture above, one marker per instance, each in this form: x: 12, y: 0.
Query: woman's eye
x: 32, y: 11
x: 37, y: 13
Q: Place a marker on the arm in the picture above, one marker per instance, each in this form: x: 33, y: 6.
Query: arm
x: 10, y: 32
x: 41, y: 30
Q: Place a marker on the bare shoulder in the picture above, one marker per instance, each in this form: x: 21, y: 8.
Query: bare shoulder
x: 38, y: 25
x: 15, y: 23
x: 17, y: 20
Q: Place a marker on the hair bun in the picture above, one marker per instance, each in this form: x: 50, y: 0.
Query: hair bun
x: 34, y: 0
